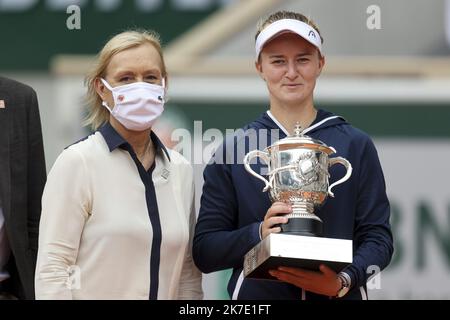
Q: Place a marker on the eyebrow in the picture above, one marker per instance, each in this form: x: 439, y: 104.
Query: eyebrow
x: 127, y: 71
x: 298, y: 55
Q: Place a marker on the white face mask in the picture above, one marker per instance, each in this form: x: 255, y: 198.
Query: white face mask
x: 136, y: 105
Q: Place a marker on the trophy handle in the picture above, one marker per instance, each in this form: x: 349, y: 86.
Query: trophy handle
x: 347, y: 165
x: 254, y: 154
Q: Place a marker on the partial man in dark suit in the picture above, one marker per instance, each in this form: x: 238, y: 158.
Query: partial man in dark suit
x: 22, y: 179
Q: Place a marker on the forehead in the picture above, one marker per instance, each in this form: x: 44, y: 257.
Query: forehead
x: 144, y: 56
x: 288, y: 42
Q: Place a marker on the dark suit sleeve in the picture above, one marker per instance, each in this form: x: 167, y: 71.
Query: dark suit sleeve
x: 36, y: 171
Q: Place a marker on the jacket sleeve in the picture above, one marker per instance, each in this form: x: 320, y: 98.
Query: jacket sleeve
x: 219, y: 243
x: 65, y: 207
x: 372, y: 236
x: 190, y: 287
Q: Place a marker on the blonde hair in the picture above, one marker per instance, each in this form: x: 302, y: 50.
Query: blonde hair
x: 279, y: 15
x: 97, y: 114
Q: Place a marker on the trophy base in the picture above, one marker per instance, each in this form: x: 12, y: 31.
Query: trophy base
x: 303, y: 227
x: 304, y: 252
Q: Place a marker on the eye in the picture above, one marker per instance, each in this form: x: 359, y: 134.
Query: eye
x: 125, y: 79
x: 303, y: 60
x: 278, y: 61
x: 151, y: 78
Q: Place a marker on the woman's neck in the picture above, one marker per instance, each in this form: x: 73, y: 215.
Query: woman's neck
x: 289, y: 115
x: 139, y: 140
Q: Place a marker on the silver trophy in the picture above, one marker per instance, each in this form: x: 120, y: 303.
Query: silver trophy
x: 298, y: 174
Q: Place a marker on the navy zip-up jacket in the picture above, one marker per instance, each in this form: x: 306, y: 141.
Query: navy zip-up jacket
x: 233, y: 206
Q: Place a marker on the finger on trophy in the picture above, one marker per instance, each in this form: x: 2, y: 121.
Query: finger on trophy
x: 268, y: 230
x: 276, y: 221
x: 278, y: 208
x: 272, y: 225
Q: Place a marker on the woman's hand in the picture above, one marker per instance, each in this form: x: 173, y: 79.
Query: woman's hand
x: 323, y: 282
x: 273, y: 217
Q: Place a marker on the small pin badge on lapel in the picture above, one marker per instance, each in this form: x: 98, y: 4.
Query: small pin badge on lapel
x: 165, y: 174
x: 2, y: 104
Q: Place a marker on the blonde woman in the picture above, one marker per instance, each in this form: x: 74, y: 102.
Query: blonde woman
x: 118, y: 210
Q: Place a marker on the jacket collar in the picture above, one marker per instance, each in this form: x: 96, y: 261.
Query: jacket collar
x: 265, y: 121
x: 114, y: 140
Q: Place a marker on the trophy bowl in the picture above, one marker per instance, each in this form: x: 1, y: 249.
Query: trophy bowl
x: 298, y: 174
